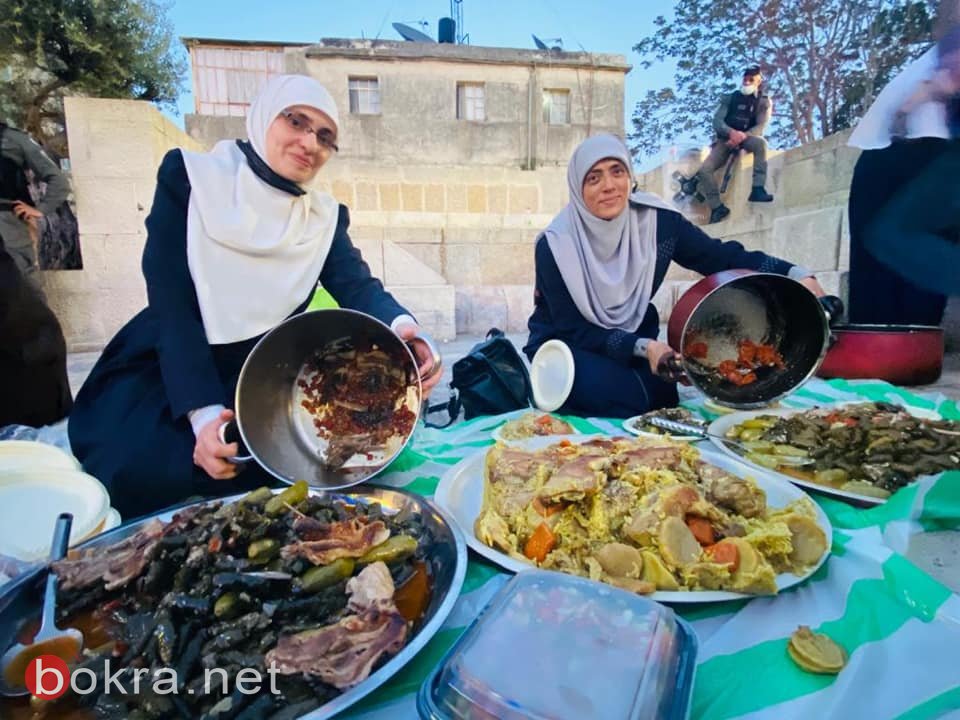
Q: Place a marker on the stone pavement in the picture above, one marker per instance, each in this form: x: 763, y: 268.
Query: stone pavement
x: 937, y: 553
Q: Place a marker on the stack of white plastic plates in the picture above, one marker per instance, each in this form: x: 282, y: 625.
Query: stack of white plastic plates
x: 24, y: 454
x: 37, y: 483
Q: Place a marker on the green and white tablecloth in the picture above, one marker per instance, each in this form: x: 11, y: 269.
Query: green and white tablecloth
x: 900, y: 626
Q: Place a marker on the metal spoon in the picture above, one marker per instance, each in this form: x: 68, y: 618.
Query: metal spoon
x: 682, y: 428
x: 49, y: 640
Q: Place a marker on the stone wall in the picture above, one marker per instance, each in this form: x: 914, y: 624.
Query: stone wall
x: 454, y: 242
x: 434, y: 199
x: 806, y: 224
x: 470, y: 226
x: 115, y: 149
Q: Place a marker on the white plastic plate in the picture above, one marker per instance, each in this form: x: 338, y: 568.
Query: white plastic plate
x: 31, y: 500
x: 28, y: 455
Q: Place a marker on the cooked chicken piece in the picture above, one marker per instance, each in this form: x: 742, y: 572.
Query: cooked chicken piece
x: 324, y: 543
x: 492, y: 530
x: 648, y: 457
x: 114, y: 565
x: 342, y: 654
x: 575, y: 479
x: 682, y: 500
x: 372, y: 587
x: 737, y: 494
x: 510, y: 465
x: 512, y: 476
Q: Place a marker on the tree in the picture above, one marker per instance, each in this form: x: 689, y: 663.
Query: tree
x: 100, y: 48
x: 824, y: 62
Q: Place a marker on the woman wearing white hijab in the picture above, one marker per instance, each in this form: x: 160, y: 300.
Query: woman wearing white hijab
x: 600, y: 262
x: 903, y: 196
x: 237, y: 240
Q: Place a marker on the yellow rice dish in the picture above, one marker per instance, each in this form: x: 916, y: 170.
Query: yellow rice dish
x: 644, y: 515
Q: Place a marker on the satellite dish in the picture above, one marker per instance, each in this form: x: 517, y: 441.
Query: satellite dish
x: 542, y: 45
x: 412, y: 34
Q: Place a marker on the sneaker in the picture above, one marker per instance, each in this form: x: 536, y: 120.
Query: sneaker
x: 719, y: 213
x: 759, y: 194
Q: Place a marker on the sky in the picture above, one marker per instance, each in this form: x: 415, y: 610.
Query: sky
x: 604, y: 26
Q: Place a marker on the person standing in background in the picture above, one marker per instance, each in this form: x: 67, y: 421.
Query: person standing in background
x: 903, y: 136
x: 18, y: 213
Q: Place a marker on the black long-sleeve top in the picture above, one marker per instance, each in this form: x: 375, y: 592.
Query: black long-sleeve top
x: 195, y: 373
x: 556, y: 316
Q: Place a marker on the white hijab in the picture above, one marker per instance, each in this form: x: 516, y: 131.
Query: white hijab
x: 607, y: 265
x: 255, y: 252
x: 873, y: 132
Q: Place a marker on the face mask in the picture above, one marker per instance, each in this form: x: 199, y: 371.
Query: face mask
x: 748, y: 89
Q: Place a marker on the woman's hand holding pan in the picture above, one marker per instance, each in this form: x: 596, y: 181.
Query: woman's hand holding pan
x: 209, y: 453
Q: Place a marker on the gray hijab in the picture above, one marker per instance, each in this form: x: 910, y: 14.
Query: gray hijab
x: 607, y: 265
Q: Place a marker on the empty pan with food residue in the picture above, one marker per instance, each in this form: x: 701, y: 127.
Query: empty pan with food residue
x: 749, y: 338
x: 330, y: 397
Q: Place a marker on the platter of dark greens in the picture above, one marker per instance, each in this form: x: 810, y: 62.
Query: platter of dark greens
x: 321, y: 597
x: 858, y: 451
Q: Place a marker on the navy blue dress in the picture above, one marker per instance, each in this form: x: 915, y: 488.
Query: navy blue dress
x: 129, y: 424
x: 608, y: 380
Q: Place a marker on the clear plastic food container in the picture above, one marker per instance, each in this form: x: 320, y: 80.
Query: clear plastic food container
x: 551, y: 646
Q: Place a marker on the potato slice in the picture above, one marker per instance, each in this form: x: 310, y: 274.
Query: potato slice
x: 678, y: 546
x: 808, y: 540
x: 620, y: 560
x: 656, y: 572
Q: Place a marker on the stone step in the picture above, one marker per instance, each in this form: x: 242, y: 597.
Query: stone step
x: 434, y: 307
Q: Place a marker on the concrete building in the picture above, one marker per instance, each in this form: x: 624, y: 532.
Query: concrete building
x: 448, y: 224
x: 452, y: 157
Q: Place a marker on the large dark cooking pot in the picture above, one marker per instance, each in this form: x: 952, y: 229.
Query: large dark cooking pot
x: 899, y: 354
x: 274, y: 427
x: 723, y: 309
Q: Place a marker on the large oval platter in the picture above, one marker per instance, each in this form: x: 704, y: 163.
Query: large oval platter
x: 21, y: 598
x: 719, y: 427
x: 460, y: 493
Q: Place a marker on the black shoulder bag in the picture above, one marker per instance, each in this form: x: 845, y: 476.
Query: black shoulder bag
x: 491, y: 379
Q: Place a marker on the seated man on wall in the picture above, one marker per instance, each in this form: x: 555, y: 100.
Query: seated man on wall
x: 739, y: 123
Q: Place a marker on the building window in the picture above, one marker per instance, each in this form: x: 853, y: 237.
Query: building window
x: 470, y: 102
x: 364, y: 96
x: 556, y: 107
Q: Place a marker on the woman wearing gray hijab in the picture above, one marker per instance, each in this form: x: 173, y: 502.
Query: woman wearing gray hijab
x: 600, y: 262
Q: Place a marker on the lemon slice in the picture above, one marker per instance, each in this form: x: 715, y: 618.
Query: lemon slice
x: 815, y: 652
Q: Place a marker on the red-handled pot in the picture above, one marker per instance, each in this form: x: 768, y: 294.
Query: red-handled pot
x: 720, y: 311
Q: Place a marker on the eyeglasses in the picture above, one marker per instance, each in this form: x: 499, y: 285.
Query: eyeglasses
x: 300, y: 123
